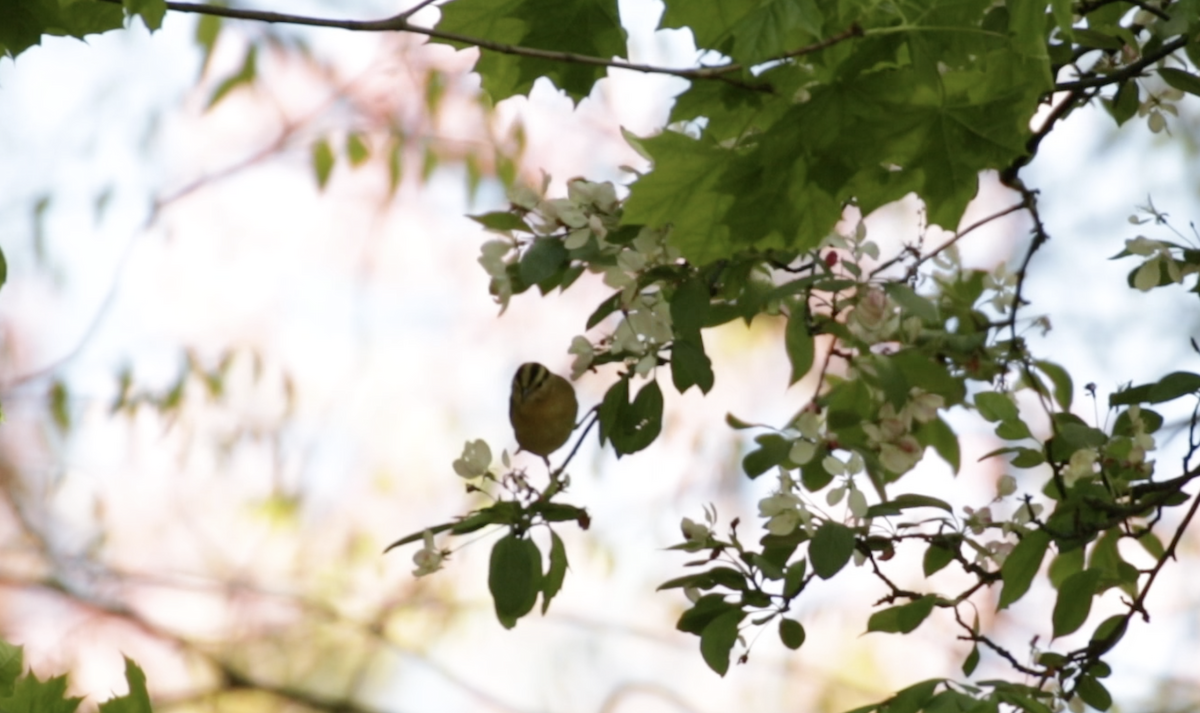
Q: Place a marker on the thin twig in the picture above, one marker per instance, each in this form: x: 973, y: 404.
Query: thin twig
x: 957, y: 236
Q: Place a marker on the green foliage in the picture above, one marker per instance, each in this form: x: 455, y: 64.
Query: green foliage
x: 243, y: 77
x: 902, y: 619
x: 26, y: 693
x: 1021, y: 565
x: 26, y: 21
x: 151, y: 11
x: 1074, y: 601
x: 631, y: 426
x: 514, y: 578
x: 799, y: 344
x: 587, y: 27
x: 831, y: 548
x: 807, y: 115
x: 322, y: 161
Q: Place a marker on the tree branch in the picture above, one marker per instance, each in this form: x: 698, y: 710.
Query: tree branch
x: 1127, y: 72
x: 400, y: 23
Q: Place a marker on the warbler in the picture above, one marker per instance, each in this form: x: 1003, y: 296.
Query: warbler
x: 542, y: 409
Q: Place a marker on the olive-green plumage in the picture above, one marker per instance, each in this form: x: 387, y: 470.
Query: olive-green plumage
x: 542, y: 409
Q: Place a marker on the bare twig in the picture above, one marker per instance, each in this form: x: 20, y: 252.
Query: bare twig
x: 944, y: 246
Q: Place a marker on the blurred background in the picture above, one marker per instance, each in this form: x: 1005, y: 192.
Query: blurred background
x: 228, y: 387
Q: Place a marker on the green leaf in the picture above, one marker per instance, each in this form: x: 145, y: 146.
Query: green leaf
x: 1013, y: 430
x: 938, y: 434
x: 705, y: 610
x: 322, y: 161
x: 1150, y: 420
x: 813, y: 475
x: 208, y: 29
x: 791, y: 633
x: 907, y: 501
x: 1097, y: 40
x: 681, y: 191
x: 1124, y: 104
x: 544, y: 258
x: 690, y: 366
x: 971, y: 662
x: 718, y: 638
x: 556, y: 573
x: 631, y: 426
x: 1174, y: 385
x: 1023, y: 702
x: 502, y: 221
x: 25, y: 21
x: 1064, y: 565
x: 913, y: 698
x: 395, y: 169
x: 3, y: 268
x: 555, y: 512
x: 514, y: 578
x: 585, y: 27
x: 605, y: 308
x: 793, y: 578
x: 912, y: 303
x: 357, y: 150
x: 11, y: 665
x: 995, y: 406
x: 751, y: 32
x: 1108, y: 634
x: 736, y: 423
x: 1150, y: 542
x: 830, y: 549
x: 937, y: 556
x: 31, y: 695
x: 244, y: 75
x: 151, y: 11
x: 1114, y: 570
x: 1021, y: 565
x: 902, y: 619
x: 1027, y: 26
x: 772, y: 450
x: 60, y: 406
x: 717, y: 576
x: 1028, y: 458
x: 1093, y: 692
x: 799, y: 344
x: 690, y: 306
x: 779, y: 548
x: 1063, y: 17
x: 1181, y: 80
x: 1072, y: 434
x: 138, y: 698
x: 1171, y: 386
x: 1074, y: 601
x: 1063, y: 388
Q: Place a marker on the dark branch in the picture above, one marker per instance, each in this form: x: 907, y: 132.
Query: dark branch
x: 400, y: 23
x: 1132, y: 70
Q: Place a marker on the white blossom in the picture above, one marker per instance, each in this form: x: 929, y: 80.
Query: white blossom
x: 429, y: 558
x: 475, y: 461
x: 584, y: 353
x: 695, y: 532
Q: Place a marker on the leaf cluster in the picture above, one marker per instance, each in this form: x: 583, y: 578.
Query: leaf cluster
x: 23, y: 692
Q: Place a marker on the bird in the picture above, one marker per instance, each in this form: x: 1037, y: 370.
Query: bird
x: 542, y: 409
